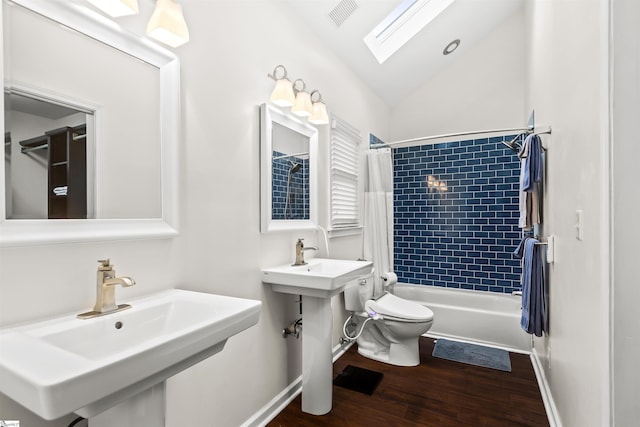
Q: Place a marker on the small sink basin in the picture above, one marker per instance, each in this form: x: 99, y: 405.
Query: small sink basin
x: 320, y: 277
x: 63, y: 365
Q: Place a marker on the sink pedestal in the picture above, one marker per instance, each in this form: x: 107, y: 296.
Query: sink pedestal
x: 144, y: 409
x: 316, y: 282
x: 317, y: 363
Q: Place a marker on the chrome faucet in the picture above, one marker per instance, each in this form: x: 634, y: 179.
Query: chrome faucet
x: 105, y: 291
x: 300, y: 248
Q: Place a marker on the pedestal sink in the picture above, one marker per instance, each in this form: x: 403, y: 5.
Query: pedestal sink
x: 316, y: 282
x: 63, y: 365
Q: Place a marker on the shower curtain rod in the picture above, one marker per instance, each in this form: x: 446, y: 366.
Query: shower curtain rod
x: 448, y: 135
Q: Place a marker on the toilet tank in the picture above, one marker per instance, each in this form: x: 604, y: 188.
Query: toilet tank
x: 357, y: 292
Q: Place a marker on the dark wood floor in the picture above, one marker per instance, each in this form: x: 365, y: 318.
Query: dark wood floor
x: 438, y: 393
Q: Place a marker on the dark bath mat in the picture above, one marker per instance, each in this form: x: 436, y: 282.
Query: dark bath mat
x: 472, y: 354
x: 358, y: 379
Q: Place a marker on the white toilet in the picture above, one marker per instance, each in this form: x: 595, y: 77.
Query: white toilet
x: 392, y: 334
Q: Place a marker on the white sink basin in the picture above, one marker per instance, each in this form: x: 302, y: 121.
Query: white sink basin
x: 63, y: 365
x: 320, y: 277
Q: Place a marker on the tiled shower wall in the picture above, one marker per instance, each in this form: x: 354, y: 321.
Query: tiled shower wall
x: 456, y: 215
x: 298, y: 206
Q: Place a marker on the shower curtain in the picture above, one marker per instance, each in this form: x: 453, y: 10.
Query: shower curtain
x: 378, y: 215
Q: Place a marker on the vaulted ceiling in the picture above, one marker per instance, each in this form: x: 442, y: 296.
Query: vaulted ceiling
x: 420, y: 58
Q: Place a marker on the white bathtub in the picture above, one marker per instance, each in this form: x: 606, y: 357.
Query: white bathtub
x: 482, y: 317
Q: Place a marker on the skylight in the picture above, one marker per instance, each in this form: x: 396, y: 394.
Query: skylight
x: 401, y: 25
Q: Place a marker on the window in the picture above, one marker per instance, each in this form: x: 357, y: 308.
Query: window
x: 401, y: 25
x: 345, y: 171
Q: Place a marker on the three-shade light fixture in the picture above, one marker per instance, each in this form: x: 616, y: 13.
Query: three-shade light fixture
x: 167, y: 24
x: 294, y: 95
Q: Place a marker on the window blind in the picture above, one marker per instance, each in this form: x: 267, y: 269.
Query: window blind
x: 345, y: 173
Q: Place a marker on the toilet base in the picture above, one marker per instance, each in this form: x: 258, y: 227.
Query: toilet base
x: 405, y: 353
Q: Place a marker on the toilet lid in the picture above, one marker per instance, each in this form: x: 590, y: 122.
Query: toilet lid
x: 391, y: 306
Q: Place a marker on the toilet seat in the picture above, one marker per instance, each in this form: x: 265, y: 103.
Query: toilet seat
x: 392, y: 307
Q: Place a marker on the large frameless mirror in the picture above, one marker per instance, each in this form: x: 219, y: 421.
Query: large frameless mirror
x: 288, y: 171
x: 91, y: 128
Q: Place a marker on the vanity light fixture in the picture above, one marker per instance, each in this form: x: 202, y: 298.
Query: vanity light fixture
x: 303, y: 106
x: 319, y: 115
x: 294, y: 95
x: 282, y: 94
x: 167, y: 24
x: 116, y: 8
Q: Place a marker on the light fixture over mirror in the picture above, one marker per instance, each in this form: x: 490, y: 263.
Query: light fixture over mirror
x: 282, y: 94
x: 294, y: 95
x: 166, y: 25
x: 302, y: 106
x: 319, y: 115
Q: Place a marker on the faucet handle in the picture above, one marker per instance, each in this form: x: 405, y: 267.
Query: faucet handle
x: 105, y: 264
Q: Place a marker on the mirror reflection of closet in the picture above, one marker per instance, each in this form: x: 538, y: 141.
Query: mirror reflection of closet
x: 47, y: 147
x: 288, y: 171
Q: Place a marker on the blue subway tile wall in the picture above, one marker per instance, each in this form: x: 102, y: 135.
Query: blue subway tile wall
x: 456, y: 215
x: 297, y: 206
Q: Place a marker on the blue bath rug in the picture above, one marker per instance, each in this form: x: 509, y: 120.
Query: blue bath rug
x: 472, y: 354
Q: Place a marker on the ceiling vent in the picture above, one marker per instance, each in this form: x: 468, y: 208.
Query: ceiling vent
x: 342, y: 11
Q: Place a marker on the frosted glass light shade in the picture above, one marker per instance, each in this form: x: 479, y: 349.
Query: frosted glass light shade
x: 282, y: 94
x: 302, y: 107
x: 167, y: 24
x: 319, y: 115
x: 116, y: 8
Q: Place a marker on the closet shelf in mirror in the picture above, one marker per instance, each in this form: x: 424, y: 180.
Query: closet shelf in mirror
x: 42, y: 141
x: 32, y: 144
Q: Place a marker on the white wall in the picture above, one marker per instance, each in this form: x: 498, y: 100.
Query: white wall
x: 566, y: 67
x: 482, y: 89
x: 626, y: 205
x: 234, y: 44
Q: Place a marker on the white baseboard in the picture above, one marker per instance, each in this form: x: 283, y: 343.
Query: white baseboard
x: 286, y: 396
x: 545, y: 391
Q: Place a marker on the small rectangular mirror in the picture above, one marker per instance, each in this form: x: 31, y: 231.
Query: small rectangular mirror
x: 288, y: 150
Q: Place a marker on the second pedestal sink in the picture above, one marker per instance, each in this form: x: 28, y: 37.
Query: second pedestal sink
x: 320, y: 277
x: 63, y: 365
x: 317, y: 282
